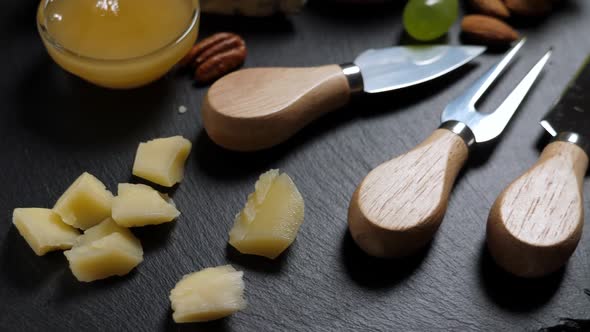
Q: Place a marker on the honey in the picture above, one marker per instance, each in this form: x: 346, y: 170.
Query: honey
x: 118, y: 43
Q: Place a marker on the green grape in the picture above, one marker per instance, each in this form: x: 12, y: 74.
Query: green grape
x: 429, y: 19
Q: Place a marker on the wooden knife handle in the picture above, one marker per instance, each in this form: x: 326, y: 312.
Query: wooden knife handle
x: 254, y: 109
x: 535, y: 224
x: 398, y: 207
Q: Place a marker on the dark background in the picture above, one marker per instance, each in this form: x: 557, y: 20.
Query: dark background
x: 54, y: 126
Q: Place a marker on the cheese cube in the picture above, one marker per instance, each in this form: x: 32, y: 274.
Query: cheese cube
x: 208, y: 294
x: 269, y: 222
x: 162, y: 160
x: 104, y: 250
x: 85, y: 203
x: 140, y: 205
x: 43, y: 230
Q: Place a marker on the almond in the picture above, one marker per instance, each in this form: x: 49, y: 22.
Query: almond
x: 488, y: 30
x: 490, y: 7
x: 530, y: 7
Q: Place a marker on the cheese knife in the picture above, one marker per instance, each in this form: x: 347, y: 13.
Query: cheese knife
x: 257, y: 108
x: 536, y: 223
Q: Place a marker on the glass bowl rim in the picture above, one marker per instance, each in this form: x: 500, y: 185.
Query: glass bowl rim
x: 46, y: 36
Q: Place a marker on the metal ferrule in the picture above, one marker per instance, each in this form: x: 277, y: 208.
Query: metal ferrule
x: 574, y: 139
x: 461, y: 129
x: 354, y: 77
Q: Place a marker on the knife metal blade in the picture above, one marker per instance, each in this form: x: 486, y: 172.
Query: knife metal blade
x: 571, y: 114
x: 402, y: 66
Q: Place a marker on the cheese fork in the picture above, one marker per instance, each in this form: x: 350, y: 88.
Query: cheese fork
x: 399, y: 205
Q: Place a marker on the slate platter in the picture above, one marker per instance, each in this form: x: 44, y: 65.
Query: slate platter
x: 54, y: 126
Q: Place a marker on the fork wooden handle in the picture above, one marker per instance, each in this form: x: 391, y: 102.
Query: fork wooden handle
x: 398, y: 207
x: 254, y: 109
x: 536, y: 223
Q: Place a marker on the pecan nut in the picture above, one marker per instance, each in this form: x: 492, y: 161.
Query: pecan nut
x: 216, y: 56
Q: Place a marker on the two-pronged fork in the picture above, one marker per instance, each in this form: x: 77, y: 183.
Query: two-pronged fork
x: 399, y: 205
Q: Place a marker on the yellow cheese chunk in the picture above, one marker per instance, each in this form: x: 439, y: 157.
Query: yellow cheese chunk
x: 140, y: 205
x: 271, y: 218
x: 43, y: 230
x: 162, y: 160
x: 85, y: 203
x: 104, y: 250
x: 209, y: 294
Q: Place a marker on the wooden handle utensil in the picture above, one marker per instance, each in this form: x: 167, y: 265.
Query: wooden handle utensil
x: 258, y: 108
x: 399, y: 205
x: 253, y: 109
x: 536, y: 222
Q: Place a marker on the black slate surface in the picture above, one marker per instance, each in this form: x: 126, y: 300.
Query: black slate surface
x: 53, y: 127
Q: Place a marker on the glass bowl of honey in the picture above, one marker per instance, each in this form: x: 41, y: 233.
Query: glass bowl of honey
x: 118, y: 44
